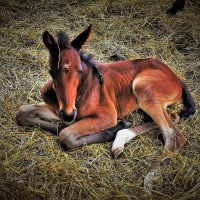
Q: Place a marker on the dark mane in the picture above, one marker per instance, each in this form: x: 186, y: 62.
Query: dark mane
x: 63, y: 40
x: 91, y: 63
x: 87, y: 58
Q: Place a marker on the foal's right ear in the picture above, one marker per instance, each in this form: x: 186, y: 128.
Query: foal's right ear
x: 49, y: 41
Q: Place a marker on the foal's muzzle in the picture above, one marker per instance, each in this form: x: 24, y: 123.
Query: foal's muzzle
x: 68, y: 117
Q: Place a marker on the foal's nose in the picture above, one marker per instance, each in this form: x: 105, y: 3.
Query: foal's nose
x: 68, y: 117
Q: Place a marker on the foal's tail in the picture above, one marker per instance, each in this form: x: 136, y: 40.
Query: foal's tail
x: 189, y: 104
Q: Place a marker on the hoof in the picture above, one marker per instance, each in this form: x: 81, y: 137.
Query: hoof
x: 118, y: 151
x: 176, y: 143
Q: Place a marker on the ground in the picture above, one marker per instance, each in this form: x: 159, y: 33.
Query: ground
x: 33, y: 165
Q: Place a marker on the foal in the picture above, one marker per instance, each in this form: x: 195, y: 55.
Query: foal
x: 93, y: 96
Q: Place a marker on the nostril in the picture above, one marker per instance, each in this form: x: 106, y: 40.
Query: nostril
x: 74, y: 111
x: 67, y: 117
x: 62, y: 113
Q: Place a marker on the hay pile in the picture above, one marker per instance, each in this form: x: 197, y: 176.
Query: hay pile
x: 33, y: 166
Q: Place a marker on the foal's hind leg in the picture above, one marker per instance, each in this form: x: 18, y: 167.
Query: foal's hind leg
x: 35, y: 115
x: 173, y: 139
x: 179, y: 139
x: 125, y: 135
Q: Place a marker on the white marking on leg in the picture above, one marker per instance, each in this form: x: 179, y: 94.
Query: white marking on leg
x: 168, y: 132
x: 122, y: 137
x: 169, y: 136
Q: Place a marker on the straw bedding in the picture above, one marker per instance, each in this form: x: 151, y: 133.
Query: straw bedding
x: 33, y: 165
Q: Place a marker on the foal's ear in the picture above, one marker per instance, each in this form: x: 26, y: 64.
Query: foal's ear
x: 49, y: 41
x: 82, y: 38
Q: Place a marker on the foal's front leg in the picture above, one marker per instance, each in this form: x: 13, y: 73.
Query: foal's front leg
x: 35, y: 115
x: 89, y: 131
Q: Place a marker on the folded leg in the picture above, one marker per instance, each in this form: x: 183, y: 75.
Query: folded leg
x: 37, y: 116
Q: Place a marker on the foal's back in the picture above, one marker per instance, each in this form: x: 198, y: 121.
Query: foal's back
x: 144, y: 77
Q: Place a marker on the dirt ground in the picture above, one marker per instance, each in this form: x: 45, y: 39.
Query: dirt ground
x: 32, y: 164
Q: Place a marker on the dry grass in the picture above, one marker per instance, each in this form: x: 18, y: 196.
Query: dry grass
x: 33, y: 166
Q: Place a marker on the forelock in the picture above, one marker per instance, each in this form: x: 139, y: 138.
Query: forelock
x: 63, y: 40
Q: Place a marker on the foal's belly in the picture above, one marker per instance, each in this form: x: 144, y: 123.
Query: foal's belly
x: 127, y: 105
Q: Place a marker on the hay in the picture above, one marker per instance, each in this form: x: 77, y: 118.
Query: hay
x: 33, y: 166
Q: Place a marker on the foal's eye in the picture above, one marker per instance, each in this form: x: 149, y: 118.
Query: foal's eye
x: 66, y: 70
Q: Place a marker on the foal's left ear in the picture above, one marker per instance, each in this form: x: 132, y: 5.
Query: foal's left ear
x: 81, y: 39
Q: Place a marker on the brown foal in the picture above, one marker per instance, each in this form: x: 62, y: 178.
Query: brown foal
x: 93, y: 96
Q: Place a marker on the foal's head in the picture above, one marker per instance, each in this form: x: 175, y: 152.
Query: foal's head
x: 66, y: 69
